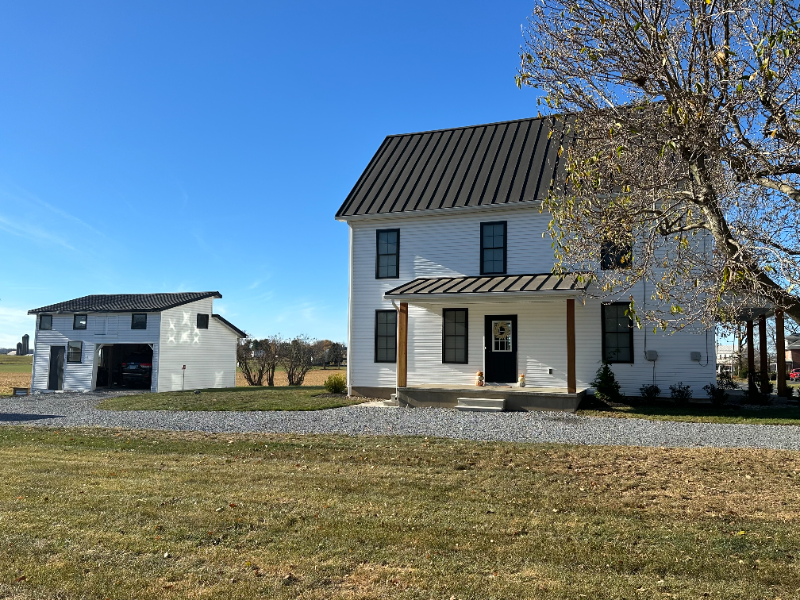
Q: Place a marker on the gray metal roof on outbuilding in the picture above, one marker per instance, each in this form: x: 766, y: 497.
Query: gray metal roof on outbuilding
x: 489, y: 284
x: 494, y: 164
x: 124, y: 302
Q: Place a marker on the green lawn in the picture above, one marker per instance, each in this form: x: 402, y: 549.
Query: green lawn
x: 698, y: 413
x: 119, y: 514
x: 15, y: 364
x: 239, y: 398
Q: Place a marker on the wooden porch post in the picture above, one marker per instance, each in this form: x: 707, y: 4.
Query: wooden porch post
x: 762, y: 351
x: 751, y: 358
x: 402, y: 345
x: 571, y: 384
x: 780, y: 350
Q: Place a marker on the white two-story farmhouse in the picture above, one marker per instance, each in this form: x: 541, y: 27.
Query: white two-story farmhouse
x: 158, y: 342
x: 450, y: 274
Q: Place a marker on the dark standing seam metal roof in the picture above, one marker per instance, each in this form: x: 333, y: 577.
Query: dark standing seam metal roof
x: 482, y: 165
x: 541, y: 282
x: 124, y: 302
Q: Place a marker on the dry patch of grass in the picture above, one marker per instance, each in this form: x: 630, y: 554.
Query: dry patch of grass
x: 315, y: 377
x: 12, y: 380
x: 88, y: 513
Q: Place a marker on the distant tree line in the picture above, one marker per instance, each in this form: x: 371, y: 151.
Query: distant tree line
x: 259, y: 358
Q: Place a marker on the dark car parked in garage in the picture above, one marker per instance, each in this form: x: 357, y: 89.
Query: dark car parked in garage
x: 137, y: 374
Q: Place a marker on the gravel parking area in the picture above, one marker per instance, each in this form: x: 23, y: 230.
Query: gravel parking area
x: 78, y: 410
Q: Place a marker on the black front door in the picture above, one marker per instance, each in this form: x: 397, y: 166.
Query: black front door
x: 500, y: 352
x: 56, y: 377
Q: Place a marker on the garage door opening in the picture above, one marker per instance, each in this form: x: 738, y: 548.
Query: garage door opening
x: 125, y: 366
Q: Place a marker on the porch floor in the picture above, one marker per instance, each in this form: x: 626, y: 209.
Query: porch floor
x: 517, y: 398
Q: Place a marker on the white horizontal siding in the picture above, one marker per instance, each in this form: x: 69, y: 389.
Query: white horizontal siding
x: 542, y: 345
x: 444, y: 246
x: 209, y: 354
x: 101, y: 328
x: 449, y: 246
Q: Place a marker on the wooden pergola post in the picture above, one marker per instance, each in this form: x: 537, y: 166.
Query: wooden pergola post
x: 780, y: 350
x: 571, y: 383
x: 402, y: 345
x: 751, y: 358
x: 762, y: 351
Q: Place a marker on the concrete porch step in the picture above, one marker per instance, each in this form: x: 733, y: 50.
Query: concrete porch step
x: 481, y: 404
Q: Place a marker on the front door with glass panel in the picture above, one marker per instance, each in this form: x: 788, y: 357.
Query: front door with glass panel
x: 500, y: 335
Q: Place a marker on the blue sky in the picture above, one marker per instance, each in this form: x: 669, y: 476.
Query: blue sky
x: 192, y: 146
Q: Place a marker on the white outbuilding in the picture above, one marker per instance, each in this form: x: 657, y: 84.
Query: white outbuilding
x: 159, y: 342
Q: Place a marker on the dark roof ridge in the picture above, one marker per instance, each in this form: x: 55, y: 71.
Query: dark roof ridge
x: 156, y: 302
x: 553, y: 116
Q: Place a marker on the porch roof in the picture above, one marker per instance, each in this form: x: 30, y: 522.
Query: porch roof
x: 431, y: 288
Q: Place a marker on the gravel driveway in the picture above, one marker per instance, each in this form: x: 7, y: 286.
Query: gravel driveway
x: 76, y: 410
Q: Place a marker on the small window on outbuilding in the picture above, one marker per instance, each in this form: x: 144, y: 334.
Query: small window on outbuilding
x: 79, y: 322
x: 45, y: 322
x: 202, y: 321
x: 139, y: 321
x: 74, y: 352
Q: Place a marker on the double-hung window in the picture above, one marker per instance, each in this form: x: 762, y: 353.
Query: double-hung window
x: 615, y: 255
x: 454, y: 335
x: 387, y: 261
x: 493, y: 248
x: 385, y: 336
x: 617, y: 333
x: 74, y: 352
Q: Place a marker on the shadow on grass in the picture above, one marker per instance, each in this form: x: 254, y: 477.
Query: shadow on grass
x: 693, y: 412
x: 22, y: 417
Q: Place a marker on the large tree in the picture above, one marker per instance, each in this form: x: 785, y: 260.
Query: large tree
x: 680, y: 126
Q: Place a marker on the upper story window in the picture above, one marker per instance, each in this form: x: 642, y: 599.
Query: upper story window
x: 387, y: 263
x: 615, y: 255
x: 202, y: 321
x: 45, y: 322
x: 139, y: 321
x: 617, y: 333
x: 493, y: 248
x: 79, y: 322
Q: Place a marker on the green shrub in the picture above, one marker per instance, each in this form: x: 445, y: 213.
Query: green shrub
x: 726, y: 382
x: 605, y: 384
x: 717, y: 394
x: 680, y: 393
x: 756, y: 397
x: 650, y: 392
x: 336, y: 384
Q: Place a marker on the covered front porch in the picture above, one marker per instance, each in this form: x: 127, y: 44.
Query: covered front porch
x: 449, y: 329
